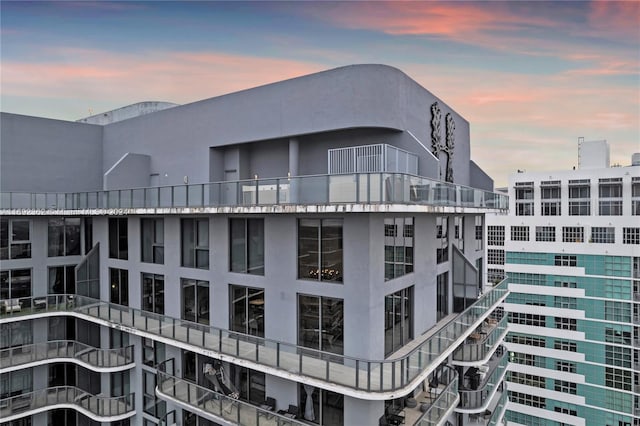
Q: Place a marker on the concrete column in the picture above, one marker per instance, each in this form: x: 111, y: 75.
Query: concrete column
x: 294, y: 154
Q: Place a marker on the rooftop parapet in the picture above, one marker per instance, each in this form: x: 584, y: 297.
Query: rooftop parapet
x: 358, y: 192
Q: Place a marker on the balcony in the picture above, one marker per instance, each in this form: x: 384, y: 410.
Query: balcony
x: 443, y: 400
x: 361, y: 378
x: 482, y: 343
x: 214, y: 405
x: 279, y: 195
x: 100, y: 409
x: 103, y: 360
x: 474, y: 401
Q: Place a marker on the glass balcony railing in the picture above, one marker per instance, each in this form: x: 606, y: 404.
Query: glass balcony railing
x: 218, y: 405
x: 348, y: 372
x: 477, y: 399
x: 480, y: 344
x: 101, y: 409
x: 444, y: 402
x: 366, y: 188
x: 95, y: 358
x: 498, y: 412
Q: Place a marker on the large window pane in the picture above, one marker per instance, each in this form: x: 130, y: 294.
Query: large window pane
x: 195, y: 301
x: 153, y: 293
x: 321, y: 323
x: 152, y: 238
x: 118, y: 239
x: 247, y: 310
x: 195, y: 243
x: 398, y: 320
x: 320, y: 249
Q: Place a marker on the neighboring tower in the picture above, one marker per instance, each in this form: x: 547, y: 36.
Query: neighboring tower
x: 570, y: 248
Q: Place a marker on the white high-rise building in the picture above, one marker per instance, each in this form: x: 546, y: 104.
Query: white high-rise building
x: 570, y: 247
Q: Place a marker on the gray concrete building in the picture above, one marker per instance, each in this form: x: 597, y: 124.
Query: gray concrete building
x: 306, y: 252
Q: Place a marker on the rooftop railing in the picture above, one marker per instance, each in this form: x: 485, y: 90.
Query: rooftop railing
x: 360, y: 188
x: 344, y: 371
x: 101, y: 409
x: 216, y: 404
x: 95, y: 357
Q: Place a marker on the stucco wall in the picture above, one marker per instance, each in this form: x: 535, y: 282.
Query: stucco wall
x: 43, y: 155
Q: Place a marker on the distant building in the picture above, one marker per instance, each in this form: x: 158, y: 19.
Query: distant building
x: 306, y: 252
x: 570, y: 247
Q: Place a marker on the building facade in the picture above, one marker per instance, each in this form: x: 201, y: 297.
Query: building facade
x: 570, y: 246
x: 306, y: 252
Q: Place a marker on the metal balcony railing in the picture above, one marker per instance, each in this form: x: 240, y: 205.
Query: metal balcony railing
x: 372, y: 376
x: 102, y: 409
x: 479, y: 345
x: 476, y: 399
x: 365, y: 188
x: 95, y: 358
x: 444, y: 402
x: 217, y: 405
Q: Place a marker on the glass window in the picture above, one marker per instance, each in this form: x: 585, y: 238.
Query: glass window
x: 398, y: 320
x: 247, y: 246
x: 572, y: 234
x: 631, y: 235
x: 442, y: 284
x: 495, y: 257
x: 153, y: 293
x: 15, y: 238
x: 398, y: 249
x: 546, y: 233
x: 152, y: 238
x: 247, y: 310
x: 64, y: 237
x: 119, y: 291
x: 320, y: 249
x: 519, y: 233
x: 15, y: 284
x: 610, y: 208
x: 605, y: 235
x: 195, y: 243
x: 152, y: 405
x: 18, y: 333
x: 495, y: 235
x: 321, y: 323
x: 479, y: 232
x: 62, y: 279
x: 195, y: 300
x: 153, y: 352
x: 118, y: 238
x: 565, y: 260
x: 319, y: 406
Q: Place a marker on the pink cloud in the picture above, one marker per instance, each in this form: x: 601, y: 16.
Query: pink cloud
x: 178, y: 77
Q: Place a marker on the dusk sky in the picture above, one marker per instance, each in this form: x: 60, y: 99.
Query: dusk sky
x: 530, y: 77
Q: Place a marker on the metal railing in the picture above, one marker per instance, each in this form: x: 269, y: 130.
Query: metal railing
x: 368, y: 188
x: 444, y: 402
x: 474, y: 399
x: 349, y: 372
x: 478, y: 350
x: 95, y: 357
x: 101, y: 408
x: 216, y: 404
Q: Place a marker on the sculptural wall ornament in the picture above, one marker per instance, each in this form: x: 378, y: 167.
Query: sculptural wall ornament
x: 448, y: 148
x: 435, y: 129
x: 436, y: 140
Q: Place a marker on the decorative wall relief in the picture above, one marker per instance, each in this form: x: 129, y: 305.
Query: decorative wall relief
x: 436, y: 139
x: 448, y: 148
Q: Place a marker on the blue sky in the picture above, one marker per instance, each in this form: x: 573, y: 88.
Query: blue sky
x: 530, y: 77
